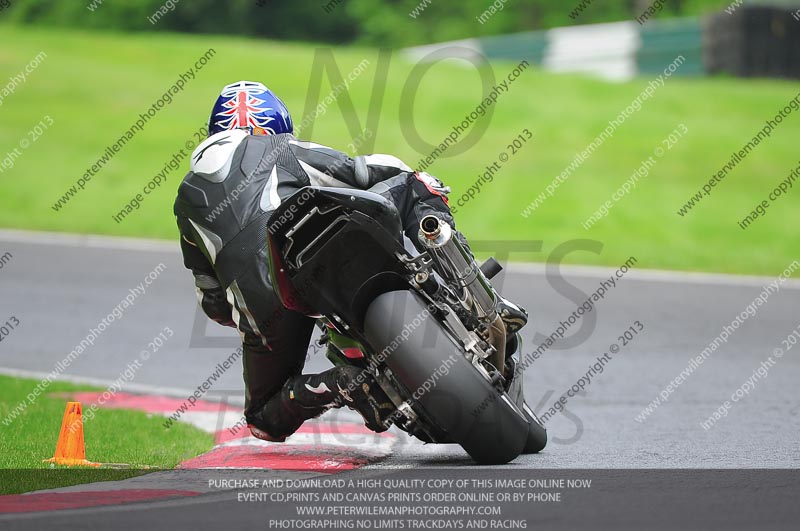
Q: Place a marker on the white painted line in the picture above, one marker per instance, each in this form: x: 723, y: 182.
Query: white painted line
x: 365, y: 443
x: 89, y: 241
x: 209, y: 421
x: 127, y: 387
x: 653, y: 275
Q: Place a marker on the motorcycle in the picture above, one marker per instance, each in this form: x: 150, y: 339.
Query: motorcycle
x: 422, y: 324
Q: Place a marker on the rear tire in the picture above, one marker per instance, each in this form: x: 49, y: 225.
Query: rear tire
x: 445, y: 388
x: 537, y: 434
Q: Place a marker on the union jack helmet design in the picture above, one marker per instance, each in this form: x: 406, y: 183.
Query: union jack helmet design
x: 251, y: 106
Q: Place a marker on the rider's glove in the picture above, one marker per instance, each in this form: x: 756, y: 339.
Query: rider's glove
x: 434, y: 185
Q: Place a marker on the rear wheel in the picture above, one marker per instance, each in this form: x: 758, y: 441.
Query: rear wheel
x: 445, y: 388
x: 537, y: 434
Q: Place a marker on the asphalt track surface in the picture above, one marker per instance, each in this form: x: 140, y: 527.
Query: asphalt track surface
x: 59, y: 288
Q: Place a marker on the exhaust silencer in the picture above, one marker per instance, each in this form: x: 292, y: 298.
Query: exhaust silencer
x: 457, y: 266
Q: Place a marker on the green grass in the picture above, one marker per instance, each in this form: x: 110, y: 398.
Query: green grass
x: 112, y: 436
x: 94, y: 85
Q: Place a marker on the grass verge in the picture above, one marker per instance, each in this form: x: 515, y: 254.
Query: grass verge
x: 112, y: 436
x: 95, y: 85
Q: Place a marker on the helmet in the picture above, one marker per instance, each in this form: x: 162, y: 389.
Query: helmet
x: 250, y: 106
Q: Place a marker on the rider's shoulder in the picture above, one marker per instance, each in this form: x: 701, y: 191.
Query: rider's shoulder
x: 212, y: 158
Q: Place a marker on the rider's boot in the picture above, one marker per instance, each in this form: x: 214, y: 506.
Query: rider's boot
x: 309, y: 395
x: 513, y: 316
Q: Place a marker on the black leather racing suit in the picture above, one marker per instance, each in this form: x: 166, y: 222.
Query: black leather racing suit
x: 235, y: 183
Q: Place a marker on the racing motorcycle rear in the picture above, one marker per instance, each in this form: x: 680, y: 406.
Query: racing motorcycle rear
x: 423, y: 325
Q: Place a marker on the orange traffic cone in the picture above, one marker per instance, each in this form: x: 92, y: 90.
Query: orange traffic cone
x: 70, y: 449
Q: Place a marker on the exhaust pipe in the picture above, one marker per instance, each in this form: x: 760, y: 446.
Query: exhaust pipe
x: 457, y: 266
